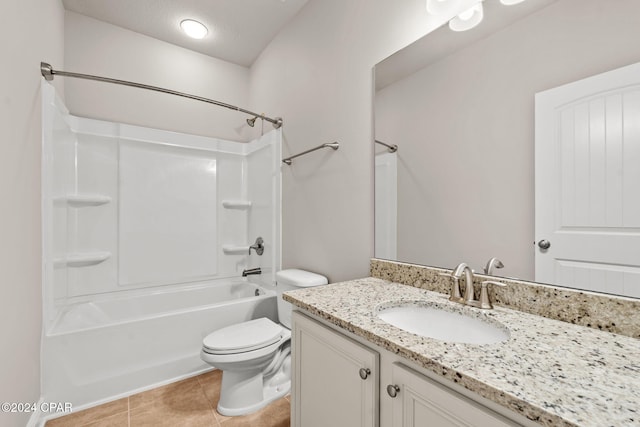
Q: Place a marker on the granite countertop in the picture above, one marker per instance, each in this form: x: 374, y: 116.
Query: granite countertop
x: 549, y: 371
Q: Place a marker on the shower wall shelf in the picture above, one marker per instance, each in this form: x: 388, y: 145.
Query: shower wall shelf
x: 82, y: 200
x: 237, y: 204
x: 235, y: 250
x: 82, y: 259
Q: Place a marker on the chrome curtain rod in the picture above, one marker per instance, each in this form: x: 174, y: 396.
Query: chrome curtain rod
x: 48, y: 73
x: 334, y: 145
x: 392, y: 148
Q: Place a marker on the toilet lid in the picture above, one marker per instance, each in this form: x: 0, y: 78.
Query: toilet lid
x: 245, y: 336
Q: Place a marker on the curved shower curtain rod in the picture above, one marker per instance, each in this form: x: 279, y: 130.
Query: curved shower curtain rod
x: 48, y: 73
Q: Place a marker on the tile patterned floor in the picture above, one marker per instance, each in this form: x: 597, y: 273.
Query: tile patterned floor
x: 190, y: 403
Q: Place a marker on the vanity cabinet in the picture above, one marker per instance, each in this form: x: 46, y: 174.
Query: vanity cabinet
x: 338, y: 381
x: 335, y: 379
x: 418, y: 401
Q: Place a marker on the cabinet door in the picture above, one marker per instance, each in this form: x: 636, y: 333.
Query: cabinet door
x: 328, y: 384
x: 422, y: 402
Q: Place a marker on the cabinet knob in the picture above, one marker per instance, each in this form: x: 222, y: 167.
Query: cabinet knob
x: 393, y: 390
x: 364, y: 373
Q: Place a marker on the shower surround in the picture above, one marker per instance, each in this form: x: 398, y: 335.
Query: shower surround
x: 145, y: 236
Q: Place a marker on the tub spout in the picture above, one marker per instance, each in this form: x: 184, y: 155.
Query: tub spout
x: 250, y: 271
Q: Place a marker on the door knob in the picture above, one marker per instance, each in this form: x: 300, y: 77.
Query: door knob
x: 393, y: 390
x: 544, y: 244
x: 364, y: 373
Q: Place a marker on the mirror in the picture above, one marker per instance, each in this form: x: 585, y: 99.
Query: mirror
x: 460, y: 108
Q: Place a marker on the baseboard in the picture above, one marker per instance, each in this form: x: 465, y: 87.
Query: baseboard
x: 37, y: 417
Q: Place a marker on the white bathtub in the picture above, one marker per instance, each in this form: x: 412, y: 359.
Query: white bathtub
x: 100, y: 350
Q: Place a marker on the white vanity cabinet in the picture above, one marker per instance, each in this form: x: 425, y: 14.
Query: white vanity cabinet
x: 335, y: 379
x: 417, y: 401
x: 339, y: 381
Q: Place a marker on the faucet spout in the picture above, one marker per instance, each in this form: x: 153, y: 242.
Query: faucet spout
x: 251, y: 271
x: 463, y: 268
x: 491, y: 264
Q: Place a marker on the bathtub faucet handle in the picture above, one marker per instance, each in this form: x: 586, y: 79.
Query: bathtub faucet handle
x: 258, y: 246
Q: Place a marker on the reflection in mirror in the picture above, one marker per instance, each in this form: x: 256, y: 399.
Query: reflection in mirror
x: 460, y: 107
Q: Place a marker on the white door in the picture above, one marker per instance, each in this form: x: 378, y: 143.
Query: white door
x: 335, y: 379
x: 421, y: 402
x: 587, y: 195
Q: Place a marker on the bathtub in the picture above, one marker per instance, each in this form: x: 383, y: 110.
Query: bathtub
x: 103, y: 349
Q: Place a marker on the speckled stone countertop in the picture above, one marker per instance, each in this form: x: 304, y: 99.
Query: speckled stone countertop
x: 549, y: 371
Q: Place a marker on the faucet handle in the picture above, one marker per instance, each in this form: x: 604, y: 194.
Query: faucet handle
x: 485, y: 302
x: 258, y: 246
x: 491, y: 264
x: 455, y: 294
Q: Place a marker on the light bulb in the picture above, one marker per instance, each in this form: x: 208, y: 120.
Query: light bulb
x: 193, y: 29
x: 467, y: 19
x: 442, y: 7
x: 468, y: 14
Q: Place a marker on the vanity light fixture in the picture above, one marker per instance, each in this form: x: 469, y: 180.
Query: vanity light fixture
x: 193, y: 29
x: 442, y: 7
x: 468, y: 19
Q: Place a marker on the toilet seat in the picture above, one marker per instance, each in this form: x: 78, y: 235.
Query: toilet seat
x: 243, y: 337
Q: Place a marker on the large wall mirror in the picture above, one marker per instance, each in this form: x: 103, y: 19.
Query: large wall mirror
x: 460, y: 106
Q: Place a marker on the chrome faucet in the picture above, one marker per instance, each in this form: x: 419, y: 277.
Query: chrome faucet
x: 485, y: 301
x: 491, y: 264
x: 469, y: 297
x: 258, y: 246
x: 469, y: 294
x: 251, y: 271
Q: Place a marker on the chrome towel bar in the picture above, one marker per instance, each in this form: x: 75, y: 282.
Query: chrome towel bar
x: 334, y: 145
x: 392, y: 148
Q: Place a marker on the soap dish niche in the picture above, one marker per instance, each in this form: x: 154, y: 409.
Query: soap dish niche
x: 81, y: 259
x: 237, y: 204
x: 82, y: 200
x: 235, y: 250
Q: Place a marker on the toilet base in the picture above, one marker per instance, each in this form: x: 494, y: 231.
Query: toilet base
x: 245, y: 392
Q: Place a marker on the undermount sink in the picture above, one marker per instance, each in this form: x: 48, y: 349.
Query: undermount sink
x: 443, y: 323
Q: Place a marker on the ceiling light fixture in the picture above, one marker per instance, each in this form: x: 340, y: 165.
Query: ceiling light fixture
x: 442, y: 7
x: 468, y: 19
x: 193, y: 29
x: 465, y: 20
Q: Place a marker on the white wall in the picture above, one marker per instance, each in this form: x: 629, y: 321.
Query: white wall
x: 465, y: 126
x: 317, y: 74
x: 30, y: 31
x: 98, y: 48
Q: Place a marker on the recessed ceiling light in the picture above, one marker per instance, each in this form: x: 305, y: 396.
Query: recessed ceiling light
x: 193, y: 29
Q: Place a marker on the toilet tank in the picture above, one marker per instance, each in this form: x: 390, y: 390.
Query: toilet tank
x: 287, y: 280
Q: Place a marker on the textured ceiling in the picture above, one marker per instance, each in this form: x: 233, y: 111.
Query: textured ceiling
x: 238, y: 29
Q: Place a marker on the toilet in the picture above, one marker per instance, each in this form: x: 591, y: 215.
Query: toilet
x: 255, y: 356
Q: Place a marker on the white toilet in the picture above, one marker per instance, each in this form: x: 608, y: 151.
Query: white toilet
x: 255, y: 356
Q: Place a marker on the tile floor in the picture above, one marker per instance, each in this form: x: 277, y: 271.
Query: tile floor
x: 190, y: 402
